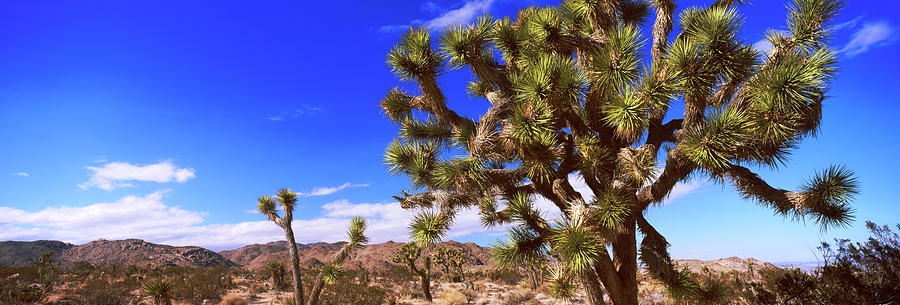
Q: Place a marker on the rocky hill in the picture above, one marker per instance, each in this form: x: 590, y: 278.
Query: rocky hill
x: 142, y: 253
x: 371, y: 257
x: 725, y: 264
x: 23, y: 253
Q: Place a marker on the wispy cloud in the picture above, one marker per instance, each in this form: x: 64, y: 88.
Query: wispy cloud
x: 21, y: 174
x: 117, y: 174
x: 871, y: 34
x: 682, y: 189
x: 303, y: 111
x: 847, y: 24
x: 462, y: 15
x: 150, y: 218
x: 322, y: 191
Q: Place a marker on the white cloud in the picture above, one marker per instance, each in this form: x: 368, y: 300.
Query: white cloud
x: 870, y: 35
x: 847, y: 25
x: 21, y: 174
x: 322, y: 191
x: 462, y: 15
x: 112, y: 175
x: 149, y: 218
x: 303, y: 111
x: 682, y: 189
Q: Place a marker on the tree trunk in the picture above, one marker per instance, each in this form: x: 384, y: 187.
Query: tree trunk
x: 592, y: 290
x: 295, y: 264
x: 625, y: 258
x: 426, y: 285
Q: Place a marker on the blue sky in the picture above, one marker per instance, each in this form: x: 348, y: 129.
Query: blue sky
x: 165, y: 120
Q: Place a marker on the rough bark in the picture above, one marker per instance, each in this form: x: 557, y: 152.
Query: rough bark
x: 295, y: 262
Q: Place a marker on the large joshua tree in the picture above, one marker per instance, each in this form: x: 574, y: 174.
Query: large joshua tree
x: 570, y: 94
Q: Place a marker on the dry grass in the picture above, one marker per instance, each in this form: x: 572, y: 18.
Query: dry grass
x: 233, y: 299
x: 452, y: 297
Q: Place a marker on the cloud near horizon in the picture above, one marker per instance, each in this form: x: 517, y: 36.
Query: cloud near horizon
x: 115, y: 174
x: 151, y: 219
x: 21, y: 174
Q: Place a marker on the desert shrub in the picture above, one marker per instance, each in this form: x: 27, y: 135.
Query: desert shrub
x: 520, y: 296
x: 505, y: 275
x: 199, y: 284
x: 233, y: 299
x: 15, y: 285
x: 349, y: 289
x: 105, y: 291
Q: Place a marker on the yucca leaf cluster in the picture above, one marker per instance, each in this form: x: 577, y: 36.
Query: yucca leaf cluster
x: 570, y: 96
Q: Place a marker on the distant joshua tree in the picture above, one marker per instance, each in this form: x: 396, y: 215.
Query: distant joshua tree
x: 570, y: 95
x: 332, y: 270
x: 408, y: 255
x: 266, y: 205
x: 275, y: 271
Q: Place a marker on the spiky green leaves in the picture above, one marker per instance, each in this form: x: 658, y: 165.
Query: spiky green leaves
x: 331, y: 273
x: 562, y: 283
x: 430, y: 130
x: 713, y: 144
x: 428, y: 228
x: 467, y: 45
x: 414, y: 58
x: 417, y: 160
x: 287, y: 199
x: 461, y: 174
x: 595, y: 159
x: 266, y: 206
x: 524, y: 247
x: 827, y: 195
x: 161, y: 289
x: 710, y: 51
x: 786, y: 95
x: 532, y: 127
x: 397, y: 105
x: 576, y: 242
x: 546, y: 26
x: 618, y: 63
x: 552, y: 79
x: 356, y: 233
x: 628, y: 114
x: 809, y: 20
x: 633, y: 12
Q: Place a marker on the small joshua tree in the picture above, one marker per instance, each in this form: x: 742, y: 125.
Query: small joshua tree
x: 275, y: 271
x: 356, y: 238
x: 47, y: 272
x: 408, y: 254
x: 266, y: 205
x: 160, y: 289
x: 355, y: 234
x: 451, y: 261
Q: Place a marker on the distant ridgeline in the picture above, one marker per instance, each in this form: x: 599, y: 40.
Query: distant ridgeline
x: 370, y: 257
